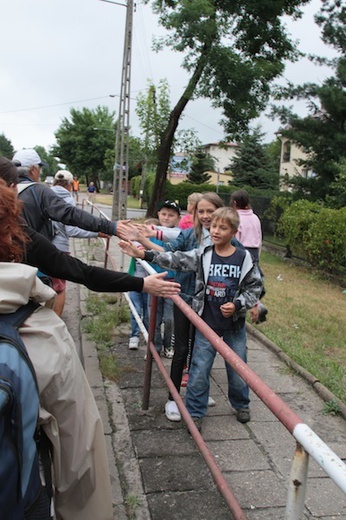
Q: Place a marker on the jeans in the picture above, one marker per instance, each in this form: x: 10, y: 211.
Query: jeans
x: 140, y: 303
x: 164, y: 315
x: 198, y: 385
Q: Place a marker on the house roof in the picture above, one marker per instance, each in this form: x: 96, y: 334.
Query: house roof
x: 221, y: 144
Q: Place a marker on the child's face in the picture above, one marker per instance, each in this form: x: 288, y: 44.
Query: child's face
x: 205, y: 211
x: 168, y: 217
x: 221, y: 232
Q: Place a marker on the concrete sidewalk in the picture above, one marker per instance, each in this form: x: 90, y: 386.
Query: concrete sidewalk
x: 157, y: 472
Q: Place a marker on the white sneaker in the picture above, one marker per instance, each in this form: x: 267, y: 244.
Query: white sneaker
x: 133, y: 343
x: 211, y: 401
x: 168, y: 352
x: 172, y: 412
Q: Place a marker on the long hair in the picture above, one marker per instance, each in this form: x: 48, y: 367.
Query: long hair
x: 12, y: 237
x: 215, y: 200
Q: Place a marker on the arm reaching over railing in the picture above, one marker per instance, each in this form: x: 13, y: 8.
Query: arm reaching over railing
x: 156, y: 285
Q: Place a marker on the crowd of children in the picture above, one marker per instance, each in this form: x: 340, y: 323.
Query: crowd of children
x: 233, y: 284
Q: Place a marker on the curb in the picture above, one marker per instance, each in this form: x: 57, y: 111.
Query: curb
x: 123, y: 464
x: 319, y: 388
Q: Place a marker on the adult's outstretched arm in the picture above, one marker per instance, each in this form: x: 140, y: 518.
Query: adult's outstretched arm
x: 41, y: 253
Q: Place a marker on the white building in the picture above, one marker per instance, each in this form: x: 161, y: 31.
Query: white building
x: 222, y: 153
x: 290, y: 157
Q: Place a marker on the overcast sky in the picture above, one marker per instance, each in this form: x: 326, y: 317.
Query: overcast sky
x: 59, y: 54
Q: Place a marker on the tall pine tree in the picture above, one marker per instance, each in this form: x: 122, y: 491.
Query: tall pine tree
x: 253, y: 164
x: 201, y: 164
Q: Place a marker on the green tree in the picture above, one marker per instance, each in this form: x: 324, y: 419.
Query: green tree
x: 233, y: 50
x: 321, y: 134
x: 337, y: 197
x: 200, y: 165
x: 152, y: 110
x: 6, y: 148
x: 83, y: 140
x: 253, y: 165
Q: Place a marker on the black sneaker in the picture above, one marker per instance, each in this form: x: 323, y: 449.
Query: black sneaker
x: 198, y: 423
x: 243, y: 415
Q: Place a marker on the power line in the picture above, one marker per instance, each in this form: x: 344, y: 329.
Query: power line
x: 56, y: 105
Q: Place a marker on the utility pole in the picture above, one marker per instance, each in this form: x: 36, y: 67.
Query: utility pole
x: 121, y: 162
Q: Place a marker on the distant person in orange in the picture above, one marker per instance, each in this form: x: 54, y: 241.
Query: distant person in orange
x: 75, y: 187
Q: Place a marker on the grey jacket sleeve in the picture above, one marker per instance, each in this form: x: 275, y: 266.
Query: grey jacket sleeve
x: 177, y: 261
x: 56, y: 208
x: 250, y: 287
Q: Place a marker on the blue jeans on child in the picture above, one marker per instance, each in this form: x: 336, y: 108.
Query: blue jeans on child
x: 164, y: 315
x: 140, y: 303
x: 203, y: 354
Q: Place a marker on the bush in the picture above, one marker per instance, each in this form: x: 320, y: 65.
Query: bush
x: 181, y: 191
x: 318, y: 232
x: 273, y: 213
x: 326, y: 240
x: 296, y: 220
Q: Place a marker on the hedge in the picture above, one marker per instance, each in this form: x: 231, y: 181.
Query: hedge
x: 316, y: 231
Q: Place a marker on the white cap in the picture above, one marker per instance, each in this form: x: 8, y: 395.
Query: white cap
x: 28, y: 157
x: 63, y: 175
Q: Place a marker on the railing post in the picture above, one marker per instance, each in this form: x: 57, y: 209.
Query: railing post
x: 149, y: 358
x: 297, y: 484
x: 106, y: 252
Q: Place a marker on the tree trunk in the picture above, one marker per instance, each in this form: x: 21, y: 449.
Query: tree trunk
x: 168, y: 134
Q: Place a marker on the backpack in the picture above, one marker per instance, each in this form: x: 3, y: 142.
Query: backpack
x: 22, y: 495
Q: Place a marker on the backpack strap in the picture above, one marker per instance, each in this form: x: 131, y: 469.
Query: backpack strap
x: 17, y: 318
x: 21, y: 186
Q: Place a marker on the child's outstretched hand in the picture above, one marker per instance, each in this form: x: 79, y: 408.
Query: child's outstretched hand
x: 131, y: 249
x: 227, y: 309
x: 146, y: 230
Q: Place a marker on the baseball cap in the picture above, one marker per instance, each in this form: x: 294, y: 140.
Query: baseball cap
x: 28, y: 157
x: 63, y: 175
x: 169, y: 204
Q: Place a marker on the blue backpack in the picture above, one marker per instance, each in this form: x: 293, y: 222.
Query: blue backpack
x: 21, y: 493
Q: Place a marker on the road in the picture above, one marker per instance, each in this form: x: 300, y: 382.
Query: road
x: 107, y: 210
